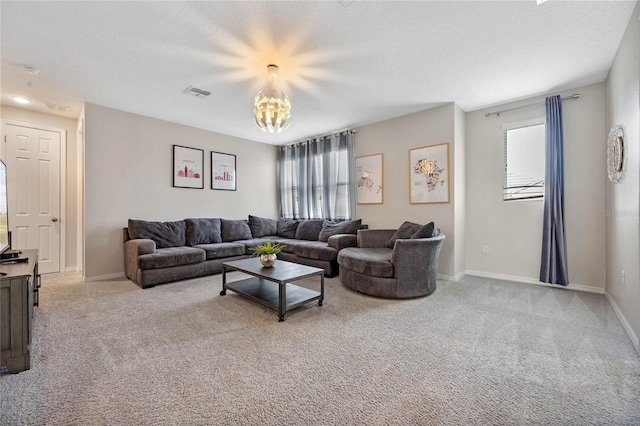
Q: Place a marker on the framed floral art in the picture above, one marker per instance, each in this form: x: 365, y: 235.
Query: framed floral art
x: 370, y: 179
x: 429, y: 174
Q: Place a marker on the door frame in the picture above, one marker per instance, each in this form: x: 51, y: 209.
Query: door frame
x: 63, y: 180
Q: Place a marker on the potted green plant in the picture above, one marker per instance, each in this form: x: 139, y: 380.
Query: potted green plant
x: 268, y: 252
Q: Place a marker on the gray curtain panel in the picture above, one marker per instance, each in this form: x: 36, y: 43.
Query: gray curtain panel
x: 553, y: 266
x: 315, y: 178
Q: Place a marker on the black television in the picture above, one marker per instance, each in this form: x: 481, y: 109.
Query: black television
x: 4, y: 210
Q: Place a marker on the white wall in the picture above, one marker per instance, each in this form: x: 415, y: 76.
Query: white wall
x: 128, y: 174
x: 26, y: 116
x: 623, y: 237
x: 394, y: 138
x: 513, y: 230
x: 460, y: 193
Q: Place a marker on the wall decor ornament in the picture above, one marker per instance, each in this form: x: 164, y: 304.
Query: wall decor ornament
x: 187, y: 167
x: 429, y: 174
x: 370, y: 179
x: 616, y: 154
x: 223, y: 171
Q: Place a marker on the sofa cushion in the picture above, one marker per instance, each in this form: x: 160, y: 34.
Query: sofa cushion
x: 203, y: 231
x: 287, y: 228
x: 375, y: 262
x: 254, y: 242
x: 221, y: 250
x: 330, y: 228
x: 315, y: 250
x: 406, y: 230
x: 426, y: 231
x: 309, y: 230
x: 171, y: 256
x: 289, y: 244
x: 261, y: 226
x: 164, y: 234
x: 233, y: 230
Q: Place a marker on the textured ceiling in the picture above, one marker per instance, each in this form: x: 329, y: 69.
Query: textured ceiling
x: 343, y: 63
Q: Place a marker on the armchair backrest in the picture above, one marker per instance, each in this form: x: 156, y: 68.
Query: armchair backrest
x: 374, y: 238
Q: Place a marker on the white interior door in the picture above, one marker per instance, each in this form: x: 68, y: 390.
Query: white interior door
x: 33, y: 172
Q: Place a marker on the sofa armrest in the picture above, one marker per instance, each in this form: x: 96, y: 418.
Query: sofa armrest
x: 133, y: 249
x: 416, y: 259
x: 341, y: 241
x: 372, y: 238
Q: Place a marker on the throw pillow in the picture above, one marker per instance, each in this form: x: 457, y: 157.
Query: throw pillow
x: 234, y: 230
x: 203, y: 231
x: 406, y: 230
x: 426, y: 231
x: 330, y: 228
x: 308, y: 230
x: 261, y: 226
x: 164, y: 234
x: 287, y: 228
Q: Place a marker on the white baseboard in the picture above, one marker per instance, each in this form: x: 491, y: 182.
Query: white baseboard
x: 577, y: 287
x: 623, y: 321
x: 117, y: 276
x: 445, y: 277
x: 71, y: 269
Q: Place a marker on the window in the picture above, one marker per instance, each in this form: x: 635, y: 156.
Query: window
x: 315, y: 178
x: 523, y: 157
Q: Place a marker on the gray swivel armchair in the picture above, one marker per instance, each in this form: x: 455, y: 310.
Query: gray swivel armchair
x: 404, y: 271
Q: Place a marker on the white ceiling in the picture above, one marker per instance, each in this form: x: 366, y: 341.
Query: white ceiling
x: 343, y: 64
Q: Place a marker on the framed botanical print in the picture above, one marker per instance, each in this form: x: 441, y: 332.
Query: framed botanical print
x: 187, y: 167
x: 429, y: 174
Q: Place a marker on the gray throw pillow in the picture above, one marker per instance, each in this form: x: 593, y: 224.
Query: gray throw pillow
x: 203, y: 231
x: 309, y: 230
x: 261, y: 226
x: 164, y: 234
x: 426, y: 231
x: 330, y: 228
x: 234, y: 230
x: 406, y: 230
x: 287, y: 228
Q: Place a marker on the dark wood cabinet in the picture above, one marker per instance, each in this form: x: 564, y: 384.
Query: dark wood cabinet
x: 19, y: 285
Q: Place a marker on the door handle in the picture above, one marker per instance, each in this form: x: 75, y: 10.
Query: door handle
x: 54, y: 219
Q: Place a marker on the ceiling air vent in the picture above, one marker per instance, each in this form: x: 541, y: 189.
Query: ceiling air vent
x: 55, y: 107
x: 198, y: 93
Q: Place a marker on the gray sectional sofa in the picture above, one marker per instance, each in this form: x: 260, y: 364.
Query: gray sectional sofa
x: 162, y: 252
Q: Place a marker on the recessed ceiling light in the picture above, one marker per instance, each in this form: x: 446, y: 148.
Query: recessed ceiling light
x: 21, y: 100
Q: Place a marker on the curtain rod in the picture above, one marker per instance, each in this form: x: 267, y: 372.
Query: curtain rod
x: 339, y: 132
x: 574, y: 96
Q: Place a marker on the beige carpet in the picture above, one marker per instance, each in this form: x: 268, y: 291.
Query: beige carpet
x: 475, y: 352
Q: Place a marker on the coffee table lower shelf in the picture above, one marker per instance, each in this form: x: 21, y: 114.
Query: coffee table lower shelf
x: 268, y: 293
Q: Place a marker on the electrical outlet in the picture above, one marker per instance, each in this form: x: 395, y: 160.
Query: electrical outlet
x: 485, y: 249
x: 623, y: 278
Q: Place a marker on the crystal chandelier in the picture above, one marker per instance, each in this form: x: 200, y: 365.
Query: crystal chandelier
x: 272, y: 109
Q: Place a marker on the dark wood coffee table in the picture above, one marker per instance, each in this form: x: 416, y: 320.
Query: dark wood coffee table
x: 272, y: 286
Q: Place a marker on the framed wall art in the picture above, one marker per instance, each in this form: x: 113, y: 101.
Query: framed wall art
x: 429, y: 174
x: 187, y: 167
x: 223, y: 171
x: 370, y: 179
